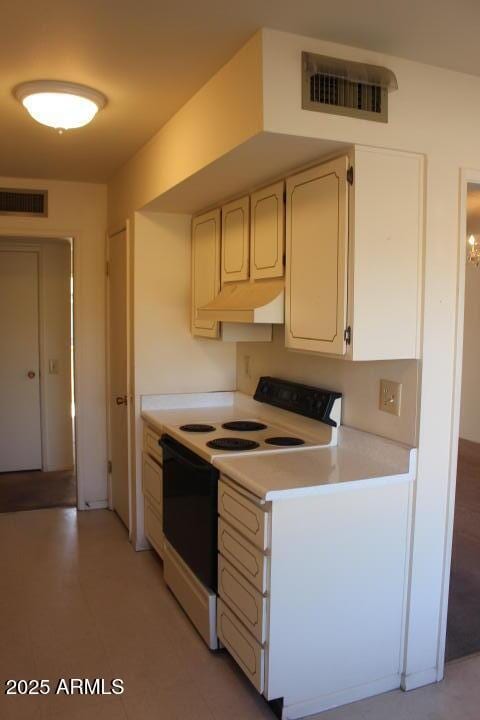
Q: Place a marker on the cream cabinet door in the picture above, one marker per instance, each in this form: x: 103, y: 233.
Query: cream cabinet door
x: 317, y: 257
x: 205, y: 269
x: 235, y: 240
x: 267, y: 232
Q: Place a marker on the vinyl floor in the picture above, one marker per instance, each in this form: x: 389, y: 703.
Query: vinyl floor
x: 76, y: 601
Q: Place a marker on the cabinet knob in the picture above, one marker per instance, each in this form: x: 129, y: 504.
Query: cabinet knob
x: 31, y: 374
x: 121, y: 400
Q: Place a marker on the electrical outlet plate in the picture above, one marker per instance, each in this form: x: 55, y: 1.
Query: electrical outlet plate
x: 390, y: 397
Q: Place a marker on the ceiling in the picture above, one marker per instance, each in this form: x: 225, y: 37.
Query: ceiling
x: 150, y: 56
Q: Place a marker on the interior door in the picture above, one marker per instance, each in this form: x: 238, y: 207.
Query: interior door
x: 118, y: 373
x: 317, y: 256
x: 20, y: 428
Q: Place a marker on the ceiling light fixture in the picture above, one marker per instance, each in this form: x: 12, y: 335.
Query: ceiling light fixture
x: 61, y: 105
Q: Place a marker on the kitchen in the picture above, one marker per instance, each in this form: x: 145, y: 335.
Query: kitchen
x: 394, y: 300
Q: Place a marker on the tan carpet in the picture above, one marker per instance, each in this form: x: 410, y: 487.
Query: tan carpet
x: 463, y: 628
x: 36, y: 489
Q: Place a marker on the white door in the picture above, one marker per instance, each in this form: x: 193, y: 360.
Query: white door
x: 20, y: 429
x: 317, y: 256
x: 118, y: 373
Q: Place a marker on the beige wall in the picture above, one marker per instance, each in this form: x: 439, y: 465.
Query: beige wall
x: 219, y: 117
x: 167, y: 358
x: 78, y: 210
x: 470, y: 410
x: 359, y: 383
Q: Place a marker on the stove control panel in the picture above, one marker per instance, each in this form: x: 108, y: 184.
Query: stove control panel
x: 306, y: 400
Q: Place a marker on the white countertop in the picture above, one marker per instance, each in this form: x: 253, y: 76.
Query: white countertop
x: 358, y: 457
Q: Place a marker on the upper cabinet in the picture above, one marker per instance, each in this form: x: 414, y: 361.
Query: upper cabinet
x: 235, y: 240
x: 205, y: 269
x: 317, y: 244
x: 354, y: 256
x: 267, y: 232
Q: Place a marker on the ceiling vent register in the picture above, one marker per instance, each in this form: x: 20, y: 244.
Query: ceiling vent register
x: 18, y: 201
x: 344, y: 87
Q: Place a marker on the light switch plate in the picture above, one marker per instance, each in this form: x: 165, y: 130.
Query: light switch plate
x: 390, y: 397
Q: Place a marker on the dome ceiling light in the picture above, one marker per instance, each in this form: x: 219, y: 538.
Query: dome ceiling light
x: 61, y: 105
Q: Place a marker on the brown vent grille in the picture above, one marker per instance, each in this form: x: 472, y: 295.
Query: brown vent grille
x: 344, y: 87
x: 18, y: 201
x: 330, y: 90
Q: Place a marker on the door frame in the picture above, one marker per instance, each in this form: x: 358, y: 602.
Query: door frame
x: 467, y: 176
x: 19, y: 239
x: 128, y: 299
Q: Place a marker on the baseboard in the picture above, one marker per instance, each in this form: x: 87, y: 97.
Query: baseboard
x: 95, y: 505
x: 419, y: 679
x: 313, y: 706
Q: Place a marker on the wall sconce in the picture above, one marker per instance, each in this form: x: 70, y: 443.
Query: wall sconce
x: 474, y: 250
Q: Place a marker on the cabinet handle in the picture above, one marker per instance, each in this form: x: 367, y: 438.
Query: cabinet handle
x: 121, y: 400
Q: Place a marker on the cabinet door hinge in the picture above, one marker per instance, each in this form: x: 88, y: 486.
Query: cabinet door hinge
x: 109, y: 467
x: 350, y: 175
x: 107, y: 269
x: 347, y: 335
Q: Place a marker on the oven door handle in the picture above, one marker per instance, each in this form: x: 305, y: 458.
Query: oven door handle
x: 178, y: 455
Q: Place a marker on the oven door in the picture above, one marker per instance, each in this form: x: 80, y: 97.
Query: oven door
x: 190, y: 509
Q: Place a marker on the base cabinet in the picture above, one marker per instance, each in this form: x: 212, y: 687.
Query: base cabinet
x: 152, y: 486
x: 327, y: 626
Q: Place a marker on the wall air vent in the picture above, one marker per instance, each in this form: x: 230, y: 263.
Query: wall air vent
x: 18, y: 201
x: 344, y: 87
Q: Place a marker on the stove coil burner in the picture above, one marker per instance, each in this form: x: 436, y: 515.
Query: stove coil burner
x: 197, y: 428
x: 232, y: 443
x: 285, y: 441
x: 244, y: 425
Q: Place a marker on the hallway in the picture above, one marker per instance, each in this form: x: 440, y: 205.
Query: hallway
x: 35, y: 489
x: 77, y: 601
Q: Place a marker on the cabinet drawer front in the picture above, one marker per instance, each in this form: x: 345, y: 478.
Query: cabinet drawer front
x: 249, y: 519
x: 150, y: 444
x: 152, y: 482
x: 154, y: 528
x: 249, y: 655
x: 245, y: 557
x: 246, y: 602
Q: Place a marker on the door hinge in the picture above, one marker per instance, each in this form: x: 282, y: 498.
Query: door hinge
x: 347, y: 335
x: 350, y: 175
x: 109, y: 467
x: 107, y: 269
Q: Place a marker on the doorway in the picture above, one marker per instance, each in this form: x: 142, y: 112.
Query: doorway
x: 37, y: 448
x: 463, y: 621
